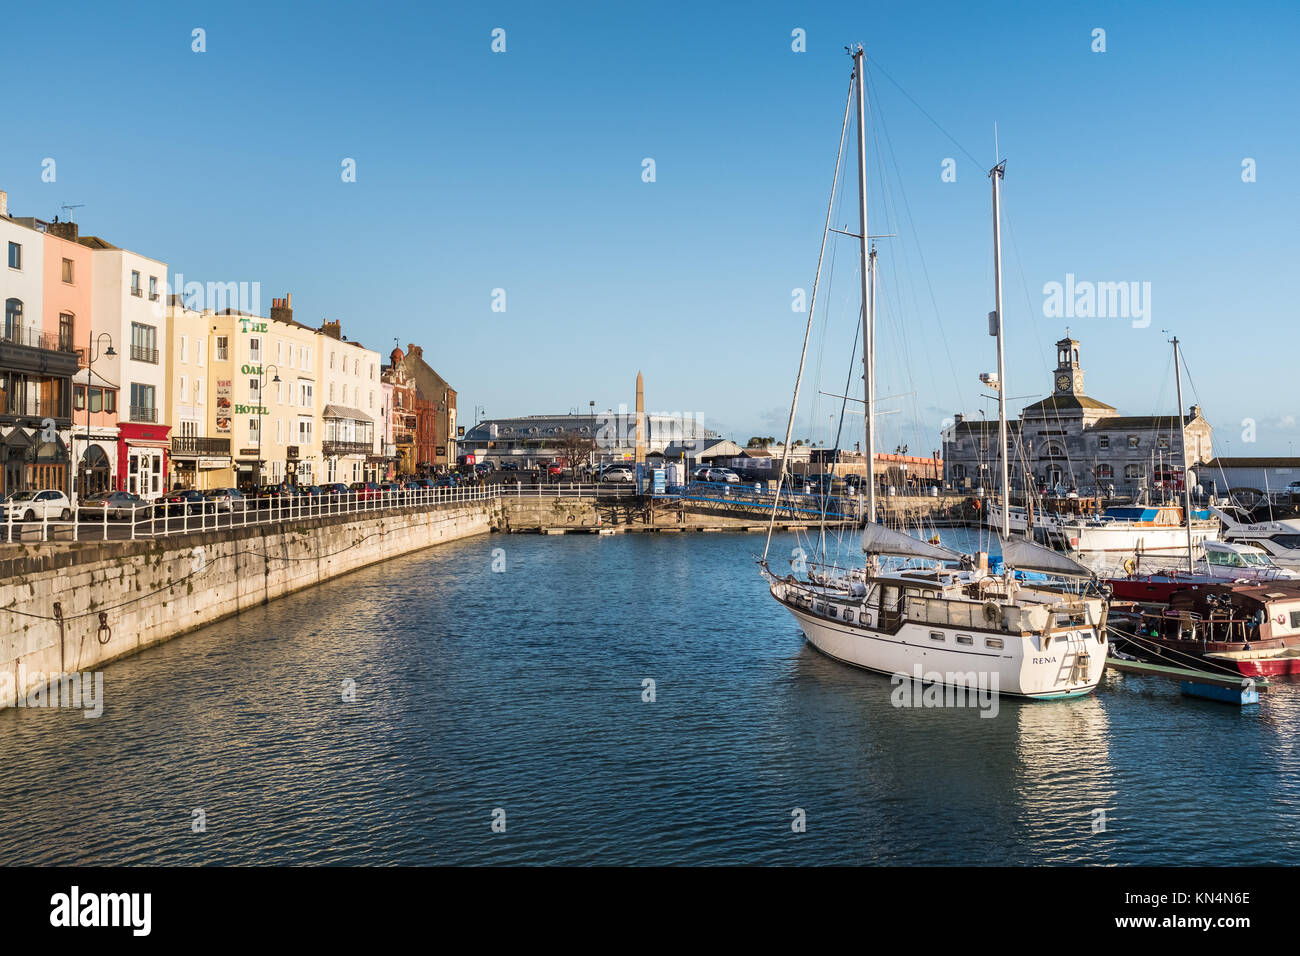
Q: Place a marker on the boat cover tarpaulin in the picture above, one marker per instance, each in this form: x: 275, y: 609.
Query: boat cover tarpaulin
x: 877, y: 539
x: 1025, y: 555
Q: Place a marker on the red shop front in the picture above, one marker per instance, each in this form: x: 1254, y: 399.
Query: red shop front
x: 142, y: 451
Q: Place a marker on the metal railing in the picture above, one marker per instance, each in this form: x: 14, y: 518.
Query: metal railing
x: 193, y: 446
x: 144, y: 413
x: 331, y: 447
x: 160, y: 518
x: 142, y: 353
x: 36, y: 339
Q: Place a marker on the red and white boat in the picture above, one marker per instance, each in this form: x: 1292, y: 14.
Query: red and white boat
x: 1253, y: 628
x: 1221, y: 563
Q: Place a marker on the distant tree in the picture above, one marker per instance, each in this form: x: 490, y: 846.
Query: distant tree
x: 760, y: 442
x: 574, y: 448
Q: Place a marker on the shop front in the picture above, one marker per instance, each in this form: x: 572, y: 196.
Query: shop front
x: 32, y: 463
x: 142, y: 458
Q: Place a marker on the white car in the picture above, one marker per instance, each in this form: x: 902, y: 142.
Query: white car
x: 618, y: 473
x: 705, y: 473
x: 35, y: 505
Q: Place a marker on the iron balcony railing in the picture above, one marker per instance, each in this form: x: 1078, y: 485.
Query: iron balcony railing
x: 142, y: 353
x: 331, y: 448
x: 144, y: 413
x: 36, y: 339
x: 193, y: 446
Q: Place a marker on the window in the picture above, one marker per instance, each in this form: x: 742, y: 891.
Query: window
x: 201, y: 347
x: 1103, y: 441
x: 937, y: 636
x: 372, y: 371
x: 306, y: 360
x: 253, y: 425
x: 223, y: 349
x: 1105, y: 471
x: 304, y: 431
x: 305, y: 392
x: 279, y: 431
x: 79, y: 397
x: 331, y: 391
x: 110, y: 401
x: 153, y: 288
x: 65, y: 331
x: 255, y: 390
x: 142, y: 403
x: 144, y: 343
x: 1132, y: 472
x: 15, y: 256
x: 279, y: 352
x: 13, y: 318
x: 279, y: 393
x: 183, y: 383
x: 68, y: 271
x: 331, y: 360
x: 184, y: 348
x: 372, y: 399
x: 1295, y: 619
x: 1163, y: 443
x: 198, y: 391
x: 1132, y: 441
x: 993, y: 643
x: 135, y: 284
x: 96, y: 399
x: 255, y: 350
x: 965, y: 639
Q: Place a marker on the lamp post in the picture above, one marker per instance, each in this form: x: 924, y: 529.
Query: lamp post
x: 92, y: 353
x: 261, y: 406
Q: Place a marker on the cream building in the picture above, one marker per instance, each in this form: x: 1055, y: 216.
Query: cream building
x: 352, y: 409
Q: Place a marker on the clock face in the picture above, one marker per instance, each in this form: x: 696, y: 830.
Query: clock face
x: 1062, y: 383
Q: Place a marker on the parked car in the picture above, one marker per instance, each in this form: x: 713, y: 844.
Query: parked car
x: 182, y: 502
x: 510, y: 466
x: 334, y: 488
x: 227, y: 499
x: 365, y: 490
x: 710, y: 473
x: 119, y: 505
x: 445, y: 481
x: 419, y: 484
x: 619, y: 473
x: 34, y: 505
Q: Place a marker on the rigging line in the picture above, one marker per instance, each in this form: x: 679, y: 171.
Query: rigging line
x: 925, y: 271
x: 839, y: 430
x: 803, y: 355
x: 937, y: 125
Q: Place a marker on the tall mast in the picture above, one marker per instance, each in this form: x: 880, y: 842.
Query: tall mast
x: 1182, y: 433
x: 868, y: 287
x: 996, y: 174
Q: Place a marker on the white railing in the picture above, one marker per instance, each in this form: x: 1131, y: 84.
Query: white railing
x: 160, y: 519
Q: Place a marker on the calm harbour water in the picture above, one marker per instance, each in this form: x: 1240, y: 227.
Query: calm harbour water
x: 522, y: 690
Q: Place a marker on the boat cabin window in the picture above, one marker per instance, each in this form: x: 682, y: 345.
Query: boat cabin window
x: 936, y: 636
x: 1225, y: 559
x: 993, y: 643
x: 965, y: 639
x: 1295, y: 619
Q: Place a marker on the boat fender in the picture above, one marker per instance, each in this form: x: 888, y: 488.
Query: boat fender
x: 1129, y: 566
x: 991, y: 611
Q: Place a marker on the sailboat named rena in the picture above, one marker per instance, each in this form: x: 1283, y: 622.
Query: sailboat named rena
x: 919, y: 605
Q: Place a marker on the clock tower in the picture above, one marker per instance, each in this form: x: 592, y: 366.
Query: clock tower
x: 1067, y: 380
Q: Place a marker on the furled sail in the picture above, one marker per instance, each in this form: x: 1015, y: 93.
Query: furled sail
x: 877, y: 539
x: 1028, y: 556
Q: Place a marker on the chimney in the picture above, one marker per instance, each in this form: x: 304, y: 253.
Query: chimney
x: 4, y: 203
x: 1196, y: 411
x: 958, y: 418
x: 282, y: 309
x: 64, y: 230
x: 333, y: 328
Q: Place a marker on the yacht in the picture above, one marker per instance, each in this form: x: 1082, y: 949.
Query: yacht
x: 1279, y: 538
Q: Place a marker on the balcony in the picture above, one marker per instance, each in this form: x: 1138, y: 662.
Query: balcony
x: 30, y: 406
x: 36, y: 339
x: 192, y: 446
x: 332, y: 448
x: 144, y: 413
x: 142, y: 353
x: 137, y: 292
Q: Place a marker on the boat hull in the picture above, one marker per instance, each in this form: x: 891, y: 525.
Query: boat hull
x: 1022, y: 667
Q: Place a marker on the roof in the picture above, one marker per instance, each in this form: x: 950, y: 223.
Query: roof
x: 1253, y: 463
x: 98, y: 381
x: 984, y: 426
x: 1065, y: 403
x: 345, y: 411
x: 1120, y: 423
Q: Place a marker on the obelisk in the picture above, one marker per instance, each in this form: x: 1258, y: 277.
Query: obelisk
x: 640, y: 419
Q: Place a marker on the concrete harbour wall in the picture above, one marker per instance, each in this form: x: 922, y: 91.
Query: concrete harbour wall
x: 66, y: 608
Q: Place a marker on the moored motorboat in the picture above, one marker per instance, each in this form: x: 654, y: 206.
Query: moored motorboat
x: 1221, y: 562
x: 1260, y: 662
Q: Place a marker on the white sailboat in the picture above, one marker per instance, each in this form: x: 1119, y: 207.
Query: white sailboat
x: 952, y: 619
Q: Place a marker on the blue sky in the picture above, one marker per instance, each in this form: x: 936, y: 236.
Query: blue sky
x: 522, y: 171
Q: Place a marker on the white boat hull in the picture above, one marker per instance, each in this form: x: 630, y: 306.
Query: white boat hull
x: 1128, y: 539
x: 1023, y: 667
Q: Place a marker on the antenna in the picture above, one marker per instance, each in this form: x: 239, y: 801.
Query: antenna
x: 997, y: 153
x: 67, y: 207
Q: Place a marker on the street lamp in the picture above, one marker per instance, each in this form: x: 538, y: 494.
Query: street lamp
x: 261, y: 395
x: 92, y: 353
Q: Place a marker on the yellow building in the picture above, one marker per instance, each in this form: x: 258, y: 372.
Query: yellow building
x: 200, y: 456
